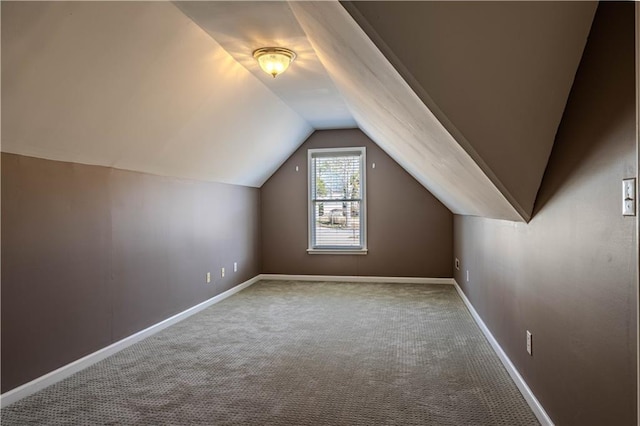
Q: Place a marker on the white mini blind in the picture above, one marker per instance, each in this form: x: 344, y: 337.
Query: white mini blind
x: 336, y: 199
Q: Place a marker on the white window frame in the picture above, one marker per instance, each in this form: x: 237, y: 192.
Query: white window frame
x: 312, y: 247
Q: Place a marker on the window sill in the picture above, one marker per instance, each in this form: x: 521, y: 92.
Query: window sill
x: 338, y: 251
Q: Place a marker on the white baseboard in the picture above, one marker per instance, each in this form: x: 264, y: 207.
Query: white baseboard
x: 526, y: 392
x: 528, y: 395
x: 82, y: 363
x: 67, y: 370
x: 357, y: 279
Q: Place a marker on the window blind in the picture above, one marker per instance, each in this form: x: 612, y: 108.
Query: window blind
x: 336, y: 199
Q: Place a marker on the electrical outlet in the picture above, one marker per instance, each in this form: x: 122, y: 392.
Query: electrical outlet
x: 457, y: 264
x: 235, y: 266
x: 222, y: 273
x: 208, y: 277
x: 529, y: 343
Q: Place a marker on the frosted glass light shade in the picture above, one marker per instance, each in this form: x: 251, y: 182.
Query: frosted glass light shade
x: 274, y: 60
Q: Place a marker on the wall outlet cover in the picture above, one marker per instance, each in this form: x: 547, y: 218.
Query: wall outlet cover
x: 629, y: 197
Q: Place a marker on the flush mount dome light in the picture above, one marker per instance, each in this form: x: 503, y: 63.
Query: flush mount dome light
x: 274, y: 60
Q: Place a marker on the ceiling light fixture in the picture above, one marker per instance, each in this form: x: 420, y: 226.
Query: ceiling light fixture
x: 274, y: 60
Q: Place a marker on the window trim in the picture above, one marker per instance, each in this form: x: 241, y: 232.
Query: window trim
x: 362, y: 250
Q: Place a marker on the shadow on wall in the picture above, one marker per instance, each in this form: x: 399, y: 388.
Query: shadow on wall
x: 610, y: 122
x: 570, y: 275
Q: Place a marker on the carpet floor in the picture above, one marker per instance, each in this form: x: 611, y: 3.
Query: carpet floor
x: 293, y: 353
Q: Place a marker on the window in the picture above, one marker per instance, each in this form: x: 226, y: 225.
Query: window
x: 337, y: 207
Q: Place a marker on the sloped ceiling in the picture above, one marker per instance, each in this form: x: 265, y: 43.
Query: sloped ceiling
x: 497, y: 74
x: 244, y: 26
x: 394, y: 117
x: 137, y: 86
x: 171, y: 89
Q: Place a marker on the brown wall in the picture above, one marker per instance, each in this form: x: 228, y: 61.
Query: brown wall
x: 569, y: 275
x: 91, y: 255
x: 409, y: 231
x: 496, y: 74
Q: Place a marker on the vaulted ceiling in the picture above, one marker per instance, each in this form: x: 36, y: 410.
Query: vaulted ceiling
x: 466, y: 96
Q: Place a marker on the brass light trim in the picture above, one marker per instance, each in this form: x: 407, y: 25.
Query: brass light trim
x: 274, y: 60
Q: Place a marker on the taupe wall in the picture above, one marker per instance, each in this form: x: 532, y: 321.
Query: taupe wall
x: 496, y: 74
x: 91, y: 255
x: 409, y: 230
x: 569, y: 275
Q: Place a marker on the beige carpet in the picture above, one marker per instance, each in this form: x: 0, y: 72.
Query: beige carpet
x: 291, y: 353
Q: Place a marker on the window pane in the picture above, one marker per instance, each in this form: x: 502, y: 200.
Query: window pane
x: 337, y: 204
x: 337, y: 224
x: 336, y: 178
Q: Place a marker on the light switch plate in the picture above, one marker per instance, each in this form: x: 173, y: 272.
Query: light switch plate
x: 629, y: 197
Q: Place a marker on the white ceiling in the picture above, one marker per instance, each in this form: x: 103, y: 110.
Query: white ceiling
x: 137, y: 86
x: 241, y: 27
x: 497, y: 75
x: 392, y: 114
x: 172, y: 89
